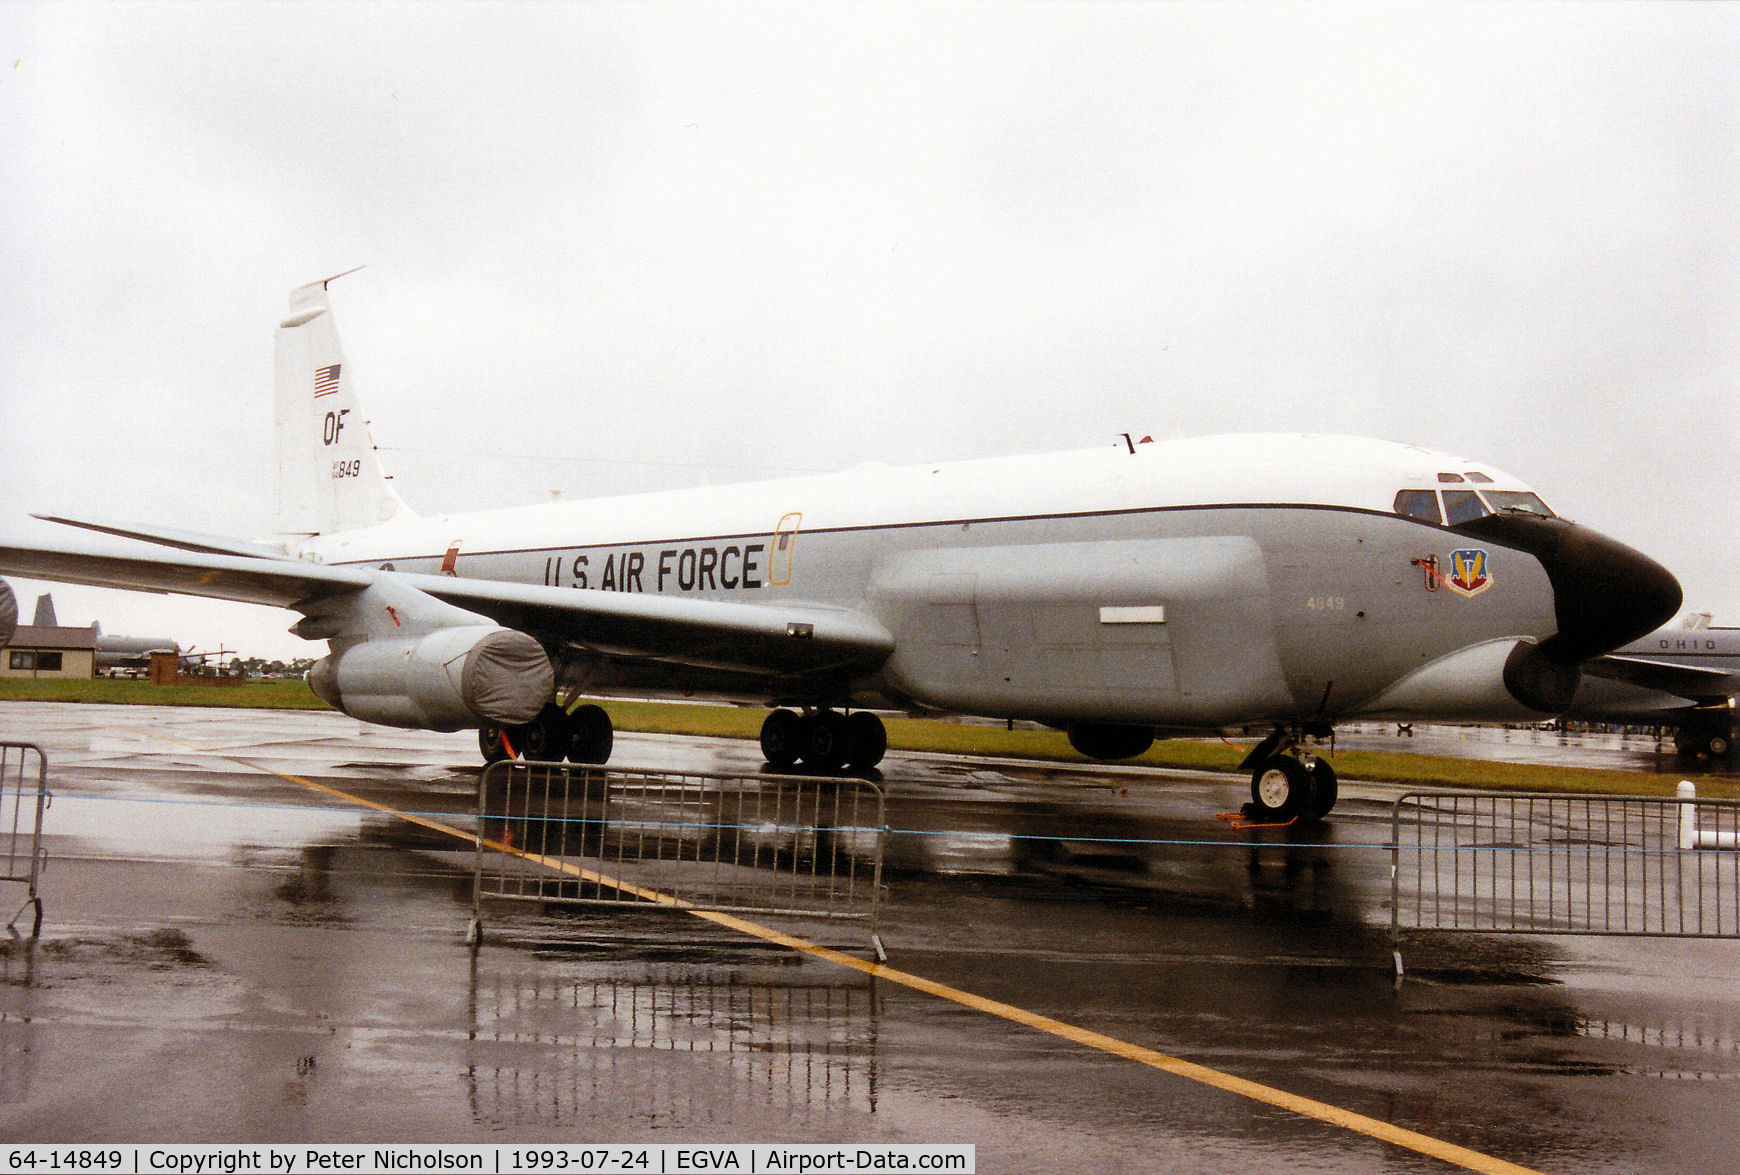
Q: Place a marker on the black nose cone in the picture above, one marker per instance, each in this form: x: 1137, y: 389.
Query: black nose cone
x: 1605, y: 593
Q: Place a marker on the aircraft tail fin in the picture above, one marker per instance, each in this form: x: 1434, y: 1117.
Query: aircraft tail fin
x: 329, y: 477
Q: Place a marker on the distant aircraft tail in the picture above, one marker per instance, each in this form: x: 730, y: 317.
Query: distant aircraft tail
x: 329, y: 477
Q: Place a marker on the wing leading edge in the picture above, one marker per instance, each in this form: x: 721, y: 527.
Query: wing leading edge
x: 1687, y: 681
x: 281, y: 583
x: 762, y: 639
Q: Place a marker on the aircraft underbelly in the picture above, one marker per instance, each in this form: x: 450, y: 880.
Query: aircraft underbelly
x: 1145, y: 630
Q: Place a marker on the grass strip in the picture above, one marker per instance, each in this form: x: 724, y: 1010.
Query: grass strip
x: 255, y: 694
x: 936, y: 736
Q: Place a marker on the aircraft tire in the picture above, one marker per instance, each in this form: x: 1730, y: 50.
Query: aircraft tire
x: 827, y: 741
x: 1718, y: 744
x: 1281, y: 788
x: 866, y: 741
x: 489, y: 741
x: 545, y: 739
x: 592, y: 737
x: 782, y: 739
x: 1324, y: 790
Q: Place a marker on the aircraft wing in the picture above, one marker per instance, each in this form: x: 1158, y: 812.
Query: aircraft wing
x: 757, y: 638
x: 761, y: 638
x: 282, y: 583
x: 1686, y: 681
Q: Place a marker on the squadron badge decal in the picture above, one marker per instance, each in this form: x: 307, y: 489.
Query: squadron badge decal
x: 1471, y: 572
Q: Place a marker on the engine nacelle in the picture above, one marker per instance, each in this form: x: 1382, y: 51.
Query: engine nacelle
x: 451, y: 679
x: 8, y: 613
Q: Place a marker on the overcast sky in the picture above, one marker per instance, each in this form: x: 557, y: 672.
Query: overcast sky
x: 619, y: 247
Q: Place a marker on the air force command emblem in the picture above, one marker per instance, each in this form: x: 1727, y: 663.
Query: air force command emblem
x: 1471, y: 572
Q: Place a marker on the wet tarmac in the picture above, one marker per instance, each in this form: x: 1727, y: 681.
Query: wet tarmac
x: 1640, y: 750
x: 229, y: 954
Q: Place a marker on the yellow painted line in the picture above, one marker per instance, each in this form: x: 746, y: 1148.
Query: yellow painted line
x: 1202, y: 1074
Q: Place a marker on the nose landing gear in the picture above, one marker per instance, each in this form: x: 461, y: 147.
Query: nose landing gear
x: 1288, y: 782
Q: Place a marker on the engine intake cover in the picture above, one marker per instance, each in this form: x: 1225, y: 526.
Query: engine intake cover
x: 450, y: 679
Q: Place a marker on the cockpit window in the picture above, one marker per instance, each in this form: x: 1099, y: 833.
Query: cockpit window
x: 1517, y: 502
x: 1421, y: 504
x: 1480, y: 478
x: 1463, y: 506
x: 1449, y: 478
x: 1466, y: 505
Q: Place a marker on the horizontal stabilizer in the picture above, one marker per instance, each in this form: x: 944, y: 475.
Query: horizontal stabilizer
x: 182, y: 540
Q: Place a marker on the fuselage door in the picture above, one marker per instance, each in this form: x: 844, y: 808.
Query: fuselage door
x: 784, y: 547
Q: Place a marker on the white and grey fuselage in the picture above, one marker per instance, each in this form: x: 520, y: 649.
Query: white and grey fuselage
x: 1197, y: 583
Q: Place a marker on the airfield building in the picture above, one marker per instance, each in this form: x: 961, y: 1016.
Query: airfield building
x: 49, y: 651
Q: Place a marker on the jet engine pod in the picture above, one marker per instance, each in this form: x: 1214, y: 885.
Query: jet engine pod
x: 8, y: 613
x: 1507, y: 680
x: 451, y: 679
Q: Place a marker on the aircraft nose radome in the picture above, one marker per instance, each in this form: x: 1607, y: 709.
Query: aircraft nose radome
x: 1605, y: 593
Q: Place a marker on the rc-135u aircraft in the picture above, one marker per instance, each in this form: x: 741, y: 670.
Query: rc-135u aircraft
x: 1288, y: 582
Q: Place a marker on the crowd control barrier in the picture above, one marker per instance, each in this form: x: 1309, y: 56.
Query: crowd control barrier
x: 1565, y: 864
x: 23, y: 800
x: 566, y: 834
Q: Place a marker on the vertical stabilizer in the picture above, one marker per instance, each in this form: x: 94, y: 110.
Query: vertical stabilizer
x: 329, y: 476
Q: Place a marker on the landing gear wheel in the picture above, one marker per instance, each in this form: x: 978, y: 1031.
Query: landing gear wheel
x: 826, y: 744
x: 592, y: 737
x: 1718, y: 745
x: 782, y: 739
x: 545, y: 738
x: 866, y: 741
x: 490, y: 742
x: 1324, y: 789
x: 1281, y: 788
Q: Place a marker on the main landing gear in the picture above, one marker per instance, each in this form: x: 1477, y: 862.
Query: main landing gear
x: 824, y: 741
x: 1288, y: 782
x: 1706, y: 731
x: 582, y: 735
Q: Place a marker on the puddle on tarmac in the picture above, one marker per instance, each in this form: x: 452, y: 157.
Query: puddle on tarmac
x: 161, y: 825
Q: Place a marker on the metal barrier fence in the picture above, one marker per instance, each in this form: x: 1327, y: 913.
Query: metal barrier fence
x: 767, y: 845
x: 23, y: 798
x: 1557, y: 864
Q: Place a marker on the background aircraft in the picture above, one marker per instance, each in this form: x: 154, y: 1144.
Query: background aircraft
x: 1685, y: 676
x: 1289, y: 581
x: 113, y: 652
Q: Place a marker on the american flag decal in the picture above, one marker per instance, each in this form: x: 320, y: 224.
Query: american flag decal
x: 326, y: 379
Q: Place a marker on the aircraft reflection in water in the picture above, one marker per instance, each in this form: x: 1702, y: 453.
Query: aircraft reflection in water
x: 1288, y: 582
x: 1300, y: 870
x: 675, y: 1045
